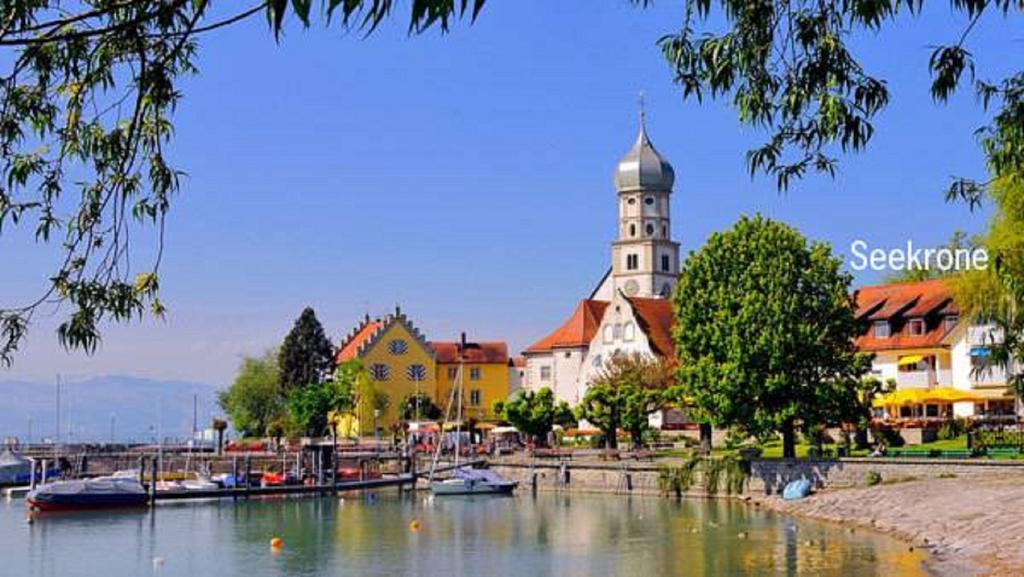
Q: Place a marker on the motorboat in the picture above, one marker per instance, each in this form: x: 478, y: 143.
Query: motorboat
x: 469, y: 481
x: 14, y: 469
x: 98, y: 493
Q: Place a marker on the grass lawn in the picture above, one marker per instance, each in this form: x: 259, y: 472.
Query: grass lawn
x: 948, y: 444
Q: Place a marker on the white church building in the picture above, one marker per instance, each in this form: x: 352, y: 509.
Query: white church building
x: 629, y: 311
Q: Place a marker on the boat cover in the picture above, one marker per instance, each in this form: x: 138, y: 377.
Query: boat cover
x: 13, y: 467
x: 98, y: 486
x: 479, y: 476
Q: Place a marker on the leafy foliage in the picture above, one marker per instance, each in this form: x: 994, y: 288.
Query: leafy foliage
x: 627, y: 390
x: 87, y: 90
x: 789, y: 68
x: 418, y: 407
x: 254, y: 400
x: 307, y: 355
x: 996, y: 295
x: 534, y: 413
x: 765, y: 332
x: 309, y: 406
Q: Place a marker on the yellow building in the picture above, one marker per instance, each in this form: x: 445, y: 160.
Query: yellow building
x: 485, y: 375
x: 400, y: 362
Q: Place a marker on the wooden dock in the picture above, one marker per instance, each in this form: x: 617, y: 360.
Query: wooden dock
x: 244, y: 492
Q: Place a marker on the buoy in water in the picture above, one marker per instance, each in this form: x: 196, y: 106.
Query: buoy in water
x: 414, y: 525
x: 276, y: 543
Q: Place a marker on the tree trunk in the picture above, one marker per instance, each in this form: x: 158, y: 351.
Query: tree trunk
x: 611, y: 441
x: 636, y: 439
x: 705, y: 438
x: 788, y: 440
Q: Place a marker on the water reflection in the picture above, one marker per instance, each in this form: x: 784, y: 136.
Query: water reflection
x: 547, y: 535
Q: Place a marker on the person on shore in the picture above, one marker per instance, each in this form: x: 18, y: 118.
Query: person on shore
x: 879, y: 450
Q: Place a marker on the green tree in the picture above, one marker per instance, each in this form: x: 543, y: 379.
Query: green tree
x: 418, y: 407
x: 995, y: 295
x: 765, y: 329
x: 627, y: 390
x: 310, y: 406
x: 307, y: 355
x: 534, y: 413
x: 254, y: 399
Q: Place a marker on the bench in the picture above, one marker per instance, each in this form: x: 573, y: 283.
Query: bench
x: 1003, y: 452
x: 910, y: 453
x: 956, y: 454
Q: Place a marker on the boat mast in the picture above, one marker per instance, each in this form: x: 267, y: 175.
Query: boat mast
x: 458, y: 410
x: 56, y: 441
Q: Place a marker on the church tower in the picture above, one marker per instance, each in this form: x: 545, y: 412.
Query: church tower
x: 645, y: 259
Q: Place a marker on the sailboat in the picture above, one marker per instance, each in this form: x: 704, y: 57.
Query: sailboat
x: 465, y: 480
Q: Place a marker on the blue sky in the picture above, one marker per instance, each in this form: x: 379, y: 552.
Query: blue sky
x: 468, y: 177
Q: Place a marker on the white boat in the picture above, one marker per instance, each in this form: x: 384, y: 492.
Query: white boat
x: 464, y: 480
x: 468, y: 481
x: 199, y: 484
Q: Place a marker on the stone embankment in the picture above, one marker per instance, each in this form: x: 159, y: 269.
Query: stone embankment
x: 968, y: 514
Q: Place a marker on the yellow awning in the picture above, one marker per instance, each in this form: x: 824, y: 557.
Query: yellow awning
x: 951, y: 395
x: 938, y: 395
x: 910, y: 360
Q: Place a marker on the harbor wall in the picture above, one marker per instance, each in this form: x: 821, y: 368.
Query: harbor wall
x: 766, y: 476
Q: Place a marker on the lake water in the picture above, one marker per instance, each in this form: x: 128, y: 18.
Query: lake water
x: 548, y: 535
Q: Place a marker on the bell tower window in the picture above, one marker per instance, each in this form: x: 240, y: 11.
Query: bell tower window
x: 650, y: 230
x: 632, y: 230
x: 632, y: 262
x: 666, y: 263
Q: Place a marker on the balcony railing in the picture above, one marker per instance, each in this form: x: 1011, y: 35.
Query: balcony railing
x: 915, y: 379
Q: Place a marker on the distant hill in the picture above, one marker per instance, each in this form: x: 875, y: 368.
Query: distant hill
x: 139, y: 407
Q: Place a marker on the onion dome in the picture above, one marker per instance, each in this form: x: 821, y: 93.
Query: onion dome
x: 643, y: 168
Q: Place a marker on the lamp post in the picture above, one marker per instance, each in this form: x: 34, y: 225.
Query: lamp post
x: 376, y: 431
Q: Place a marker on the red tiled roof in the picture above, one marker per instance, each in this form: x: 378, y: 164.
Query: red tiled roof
x: 493, y: 352
x: 656, y: 320
x: 898, y: 303
x: 518, y: 361
x: 578, y: 331
x: 350, y: 349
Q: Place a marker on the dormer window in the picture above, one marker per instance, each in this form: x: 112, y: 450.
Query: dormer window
x: 915, y: 327
x: 880, y: 329
x: 950, y: 322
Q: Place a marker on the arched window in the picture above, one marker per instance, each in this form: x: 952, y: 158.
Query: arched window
x: 632, y: 230
x: 380, y: 372
x: 416, y: 372
x: 398, y: 347
x: 650, y: 229
x: 628, y: 332
x: 608, y: 336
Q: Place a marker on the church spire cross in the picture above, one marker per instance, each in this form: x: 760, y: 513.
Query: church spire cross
x: 643, y: 110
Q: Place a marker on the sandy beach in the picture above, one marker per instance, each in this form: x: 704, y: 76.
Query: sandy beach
x: 972, y: 527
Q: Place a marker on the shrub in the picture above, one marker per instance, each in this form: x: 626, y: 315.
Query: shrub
x: 952, y: 429
x: 873, y: 478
